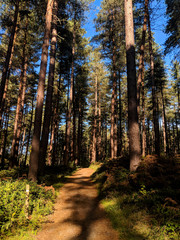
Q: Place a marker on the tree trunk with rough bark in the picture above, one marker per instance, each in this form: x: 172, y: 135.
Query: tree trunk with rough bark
x: 99, y: 130
x: 7, y: 80
x: 166, y: 143
x: 79, y: 139
x: 9, y: 52
x: 140, y: 81
x: 5, y: 137
x: 134, y: 137
x: 48, y: 105
x: 141, y: 59
x: 34, y: 157
x: 94, y: 143
x: 177, y: 133
x: 154, y: 100
x: 120, y: 119
x: 143, y: 122
x: 20, y: 104
x: 71, y: 107
x: 29, y: 134
x: 114, y: 99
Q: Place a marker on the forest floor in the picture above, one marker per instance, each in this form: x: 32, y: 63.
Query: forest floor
x: 78, y: 214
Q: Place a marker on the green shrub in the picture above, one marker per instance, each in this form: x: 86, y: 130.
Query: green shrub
x: 144, y: 204
x: 12, y: 204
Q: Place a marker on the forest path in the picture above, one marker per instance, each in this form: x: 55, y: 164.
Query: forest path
x: 78, y: 214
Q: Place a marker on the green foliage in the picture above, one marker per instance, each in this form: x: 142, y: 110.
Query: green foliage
x: 12, y: 173
x: 13, y: 213
x: 173, y: 25
x: 139, y: 210
x: 13, y: 209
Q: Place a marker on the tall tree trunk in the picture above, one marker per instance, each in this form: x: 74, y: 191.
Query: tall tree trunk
x: 94, y: 144
x: 9, y: 51
x: 79, y: 139
x: 34, y: 157
x: 169, y: 133
x: 29, y: 133
x: 143, y: 122
x: 74, y: 153
x: 134, y: 137
x: 21, y: 148
x: 73, y: 141
x: 21, y: 110
x: 50, y: 162
x: 56, y: 121
x: 48, y: 106
x: 7, y: 79
x: 71, y: 104
x: 154, y: 100
x: 164, y: 132
x: 67, y: 134
x: 164, y: 124
x: 120, y: 119
x: 99, y: 130
x: 174, y: 137
x: 148, y: 137
x: 5, y: 137
x: 141, y: 59
x: 114, y: 98
x: 106, y: 142
x: 177, y: 133
x: 20, y: 105
x: 140, y: 82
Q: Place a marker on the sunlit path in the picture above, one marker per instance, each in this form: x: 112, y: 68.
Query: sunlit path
x: 78, y: 215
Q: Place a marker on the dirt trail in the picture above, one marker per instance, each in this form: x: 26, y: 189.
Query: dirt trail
x: 78, y: 214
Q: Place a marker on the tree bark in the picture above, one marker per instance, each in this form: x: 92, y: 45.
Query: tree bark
x: 177, y: 133
x: 148, y: 138
x: 120, y: 119
x: 79, y: 139
x: 7, y: 79
x: 34, y: 157
x: 9, y: 52
x: 20, y: 153
x: 99, y: 130
x: 94, y: 144
x: 20, y: 104
x: 71, y: 104
x: 114, y: 99
x: 48, y: 106
x: 143, y: 122
x: 154, y: 100
x: 166, y: 143
x: 134, y: 137
x: 29, y: 133
x: 141, y: 59
x: 5, y: 138
x: 140, y: 82
x: 67, y: 134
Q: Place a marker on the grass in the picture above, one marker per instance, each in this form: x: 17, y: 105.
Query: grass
x: 140, y: 205
x: 95, y: 166
x: 126, y: 221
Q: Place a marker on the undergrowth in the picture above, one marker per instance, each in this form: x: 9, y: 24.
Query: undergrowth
x: 144, y: 204
x: 16, y: 220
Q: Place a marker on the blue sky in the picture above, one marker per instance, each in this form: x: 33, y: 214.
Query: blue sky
x: 158, y: 23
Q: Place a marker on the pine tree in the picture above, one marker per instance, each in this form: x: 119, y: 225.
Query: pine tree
x: 33, y: 167
x: 173, y: 25
x: 48, y: 105
x: 134, y: 139
x: 8, y: 54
